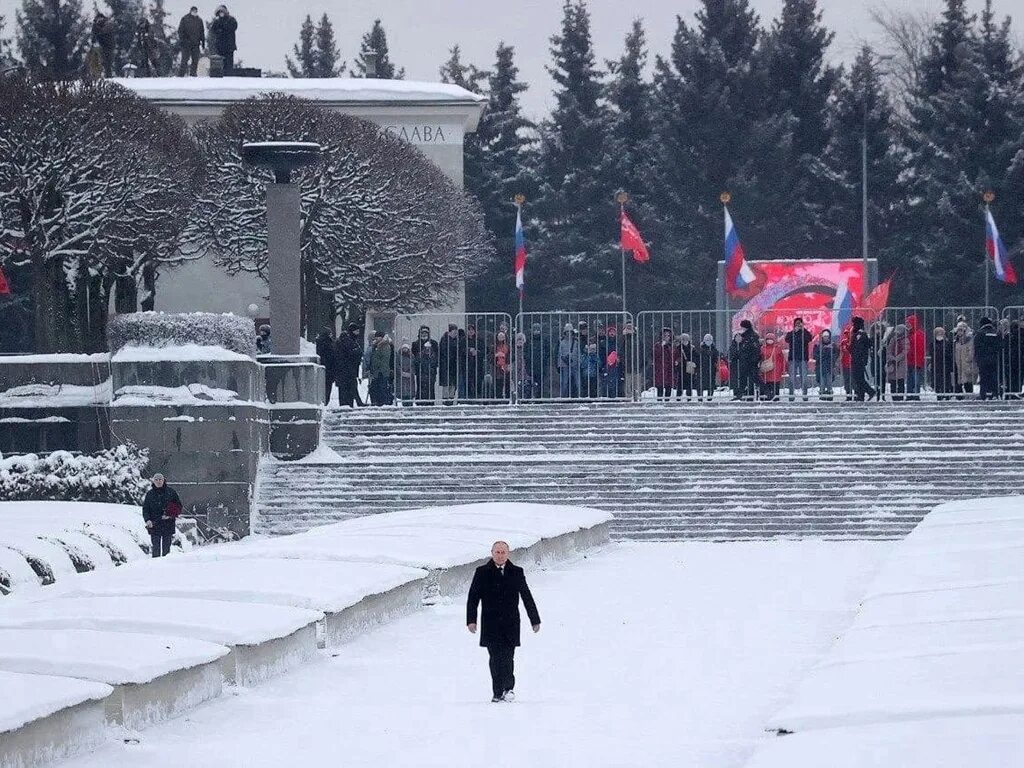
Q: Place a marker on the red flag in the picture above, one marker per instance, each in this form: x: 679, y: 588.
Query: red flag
x: 632, y: 241
x: 5, y: 287
x: 875, y: 303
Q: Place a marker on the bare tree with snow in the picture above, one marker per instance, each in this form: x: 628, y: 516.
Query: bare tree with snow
x: 95, y: 189
x: 382, y: 226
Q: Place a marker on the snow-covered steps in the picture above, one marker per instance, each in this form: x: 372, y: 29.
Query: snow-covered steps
x: 707, y: 471
x: 929, y: 673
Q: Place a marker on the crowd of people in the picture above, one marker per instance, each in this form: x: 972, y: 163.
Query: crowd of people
x: 148, y: 48
x: 590, y: 361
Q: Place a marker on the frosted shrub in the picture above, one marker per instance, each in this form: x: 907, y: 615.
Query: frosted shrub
x: 114, y: 476
x: 161, y: 329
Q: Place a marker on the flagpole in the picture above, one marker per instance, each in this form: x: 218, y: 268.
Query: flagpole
x: 988, y: 197
x: 519, y: 200
x: 622, y: 198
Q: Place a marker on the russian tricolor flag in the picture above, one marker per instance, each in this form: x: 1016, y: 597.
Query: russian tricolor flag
x: 842, y: 309
x: 520, y: 252
x: 738, y: 274
x: 997, y: 251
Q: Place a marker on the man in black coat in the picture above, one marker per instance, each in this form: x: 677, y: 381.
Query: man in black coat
x: 986, y: 355
x: 347, y: 361
x: 192, y: 39
x: 222, y: 34
x: 749, y: 359
x: 326, y: 352
x: 498, y: 585
x: 160, y: 509
x: 860, y: 355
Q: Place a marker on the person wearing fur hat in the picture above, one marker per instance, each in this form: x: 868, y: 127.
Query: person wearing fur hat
x: 963, y: 359
x: 348, y: 357
x: 748, y: 362
x: 160, y: 510
x: 222, y: 35
x: 707, y: 367
x: 406, y: 374
x: 381, y: 370
x: 943, y: 369
x: 986, y: 357
x: 425, y: 353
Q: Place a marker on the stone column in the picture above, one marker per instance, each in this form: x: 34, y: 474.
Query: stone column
x: 284, y: 271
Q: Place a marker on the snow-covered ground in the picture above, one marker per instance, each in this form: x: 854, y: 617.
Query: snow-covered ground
x: 649, y: 654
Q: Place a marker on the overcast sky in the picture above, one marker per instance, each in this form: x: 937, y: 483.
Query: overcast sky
x: 420, y: 32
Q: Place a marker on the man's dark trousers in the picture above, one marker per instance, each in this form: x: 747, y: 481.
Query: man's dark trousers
x: 502, y: 662
x: 161, y: 543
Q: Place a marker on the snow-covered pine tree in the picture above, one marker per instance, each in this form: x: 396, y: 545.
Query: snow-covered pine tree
x: 964, y: 132
x: 52, y: 38
x: 507, y: 140
x: 166, y: 37
x: 125, y: 15
x: 467, y: 76
x: 377, y: 40
x: 96, y: 184
x: 630, y: 161
x: 382, y: 226
x: 6, y: 57
x: 714, y: 132
x: 863, y: 108
x: 304, y: 64
x: 575, y: 261
x: 801, y: 83
x: 328, y: 58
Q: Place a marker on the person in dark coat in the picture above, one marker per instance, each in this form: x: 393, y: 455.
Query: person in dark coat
x: 498, y: 585
x: 264, y: 344
x: 476, y: 363
x: 825, y: 354
x: 986, y: 356
x: 734, y: 364
x: 160, y: 509
x: 798, y: 341
x: 748, y: 362
x: 861, y: 348
x: 348, y: 356
x: 104, y: 38
x: 451, y: 364
x: 222, y: 35
x: 425, y: 362
x: 686, y: 367
x: 325, y: 350
x: 1014, y: 359
x: 538, y: 364
x: 144, y: 50
x: 943, y: 364
x: 192, y: 39
x: 707, y: 367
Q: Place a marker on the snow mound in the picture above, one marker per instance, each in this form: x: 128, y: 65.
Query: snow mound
x: 434, y: 538
x: 31, y: 697
x: 214, y: 621
x: 114, y: 658
x: 190, y: 394
x: 929, y: 674
x: 179, y: 352
x: 55, y: 395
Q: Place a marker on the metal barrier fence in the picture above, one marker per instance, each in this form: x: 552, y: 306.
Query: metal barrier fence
x: 1011, y: 359
x: 454, y: 357
x: 696, y: 355
x: 576, y: 355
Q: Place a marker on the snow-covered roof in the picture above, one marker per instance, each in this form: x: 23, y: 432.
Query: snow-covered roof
x: 339, y: 90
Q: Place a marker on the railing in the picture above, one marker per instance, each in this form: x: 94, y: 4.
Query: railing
x: 913, y: 353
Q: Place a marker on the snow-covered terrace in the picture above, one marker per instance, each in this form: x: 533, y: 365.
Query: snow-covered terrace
x: 205, y: 96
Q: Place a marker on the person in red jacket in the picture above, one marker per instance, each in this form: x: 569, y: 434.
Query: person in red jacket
x: 665, y: 359
x: 846, y: 361
x: 772, y: 366
x: 916, y: 352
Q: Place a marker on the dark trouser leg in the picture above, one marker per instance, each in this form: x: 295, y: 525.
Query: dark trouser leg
x: 229, y: 61
x: 161, y: 543
x: 328, y: 386
x: 154, y: 540
x: 502, y: 664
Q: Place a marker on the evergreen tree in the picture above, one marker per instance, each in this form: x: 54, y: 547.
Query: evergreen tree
x: 377, y: 40
x: 125, y: 15
x: 715, y: 133
x: 965, y: 130
x: 863, y: 109
x: 800, y: 84
x: 6, y: 57
x: 463, y: 75
x: 506, y: 140
x: 630, y: 157
x: 52, y: 37
x: 304, y: 64
x: 575, y: 263
x: 328, y: 57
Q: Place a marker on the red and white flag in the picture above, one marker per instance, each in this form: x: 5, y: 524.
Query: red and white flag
x: 631, y: 240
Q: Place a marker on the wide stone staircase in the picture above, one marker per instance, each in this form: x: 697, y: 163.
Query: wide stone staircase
x: 667, y: 471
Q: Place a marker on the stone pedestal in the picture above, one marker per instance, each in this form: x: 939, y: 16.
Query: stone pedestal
x: 283, y: 247
x: 295, y: 394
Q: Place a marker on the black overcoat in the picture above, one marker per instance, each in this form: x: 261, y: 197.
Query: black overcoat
x: 154, y: 507
x: 499, y: 616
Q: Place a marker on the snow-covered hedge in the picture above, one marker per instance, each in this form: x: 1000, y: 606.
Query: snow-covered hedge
x: 161, y: 329
x: 114, y: 476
